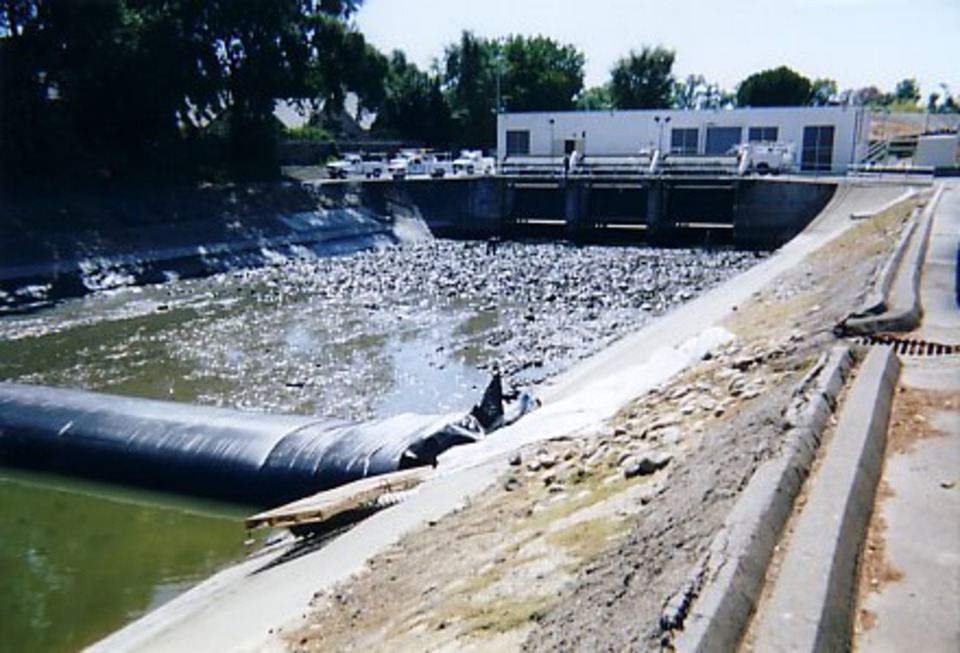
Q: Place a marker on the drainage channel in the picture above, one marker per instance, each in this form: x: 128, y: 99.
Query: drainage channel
x: 909, y: 346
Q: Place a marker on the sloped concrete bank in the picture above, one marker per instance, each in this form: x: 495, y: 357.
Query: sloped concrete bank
x: 714, y: 607
x: 58, y: 249
x: 893, y: 303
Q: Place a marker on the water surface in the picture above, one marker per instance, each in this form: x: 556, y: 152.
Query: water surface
x: 79, y: 560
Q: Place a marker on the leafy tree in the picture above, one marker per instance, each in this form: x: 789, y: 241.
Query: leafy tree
x: 871, y: 96
x: 779, y: 87
x: 116, y: 87
x: 534, y: 74
x: 595, y: 98
x: 413, y: 107
x: 469, y: 79
x: 688, y: 93
x: 643, y: 80
x: 949, y: 103
x: 695, y: 92
x: 907, y: 92
x: 540, y: 74
x: 823, y: 91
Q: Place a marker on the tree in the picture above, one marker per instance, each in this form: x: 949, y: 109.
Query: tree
x: 949, y: 103
x: 413, y: 107
x: 688, y: 93
x: 907, y: 92
x: 91, y: 89
x: 695, y: 92
x: 540, y: 74
x: 595, y: 98
x: 120, y: 87
x: 528, y: 74
x: 643, y: 80
x: 871, y: 96
x: 823, y: 92
x: 779, y: 87
x: 469, y: 80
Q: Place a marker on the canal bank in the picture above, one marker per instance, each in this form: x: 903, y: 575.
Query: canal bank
x: 792, y: 316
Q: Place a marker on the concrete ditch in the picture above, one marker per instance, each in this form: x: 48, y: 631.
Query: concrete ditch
x: 893, y: 305
x: 823, y: 550
x: 314, y: 572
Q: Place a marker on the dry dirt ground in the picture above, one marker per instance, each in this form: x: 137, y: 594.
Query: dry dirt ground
x: 583, y: 540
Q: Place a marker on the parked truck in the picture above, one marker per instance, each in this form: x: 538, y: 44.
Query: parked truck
x: 766, y: 158
x: 370, y: 166
x: 419, y: 163
x: 472, y: 162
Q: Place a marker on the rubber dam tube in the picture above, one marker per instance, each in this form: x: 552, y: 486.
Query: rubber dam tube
x: 243, y: 457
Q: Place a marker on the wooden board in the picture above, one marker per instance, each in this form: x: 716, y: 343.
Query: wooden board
x: 330, y: 503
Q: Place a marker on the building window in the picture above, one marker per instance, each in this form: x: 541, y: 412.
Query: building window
x: 518, y: 142
x: 684, y: 140
x: 817, y: 155
x: 720, y: 140
x: 763, y: 134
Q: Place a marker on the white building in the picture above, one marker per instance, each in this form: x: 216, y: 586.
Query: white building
x: 827, y: 139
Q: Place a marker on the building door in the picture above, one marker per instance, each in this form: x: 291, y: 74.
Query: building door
x: 721, y: 140
x: 817, y: 155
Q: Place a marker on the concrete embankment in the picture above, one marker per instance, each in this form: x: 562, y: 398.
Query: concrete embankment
x: 57, y: 249
x: 824, y: 547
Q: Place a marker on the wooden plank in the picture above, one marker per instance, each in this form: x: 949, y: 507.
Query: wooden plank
x: 330, y: 503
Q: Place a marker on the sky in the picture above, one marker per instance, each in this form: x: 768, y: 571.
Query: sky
x: 855, y: 42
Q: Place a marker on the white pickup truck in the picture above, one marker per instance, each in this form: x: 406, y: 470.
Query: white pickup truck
x: 472, y: 162
x: 767, y: 158
x: 357, y: 165
x: 416, y: 163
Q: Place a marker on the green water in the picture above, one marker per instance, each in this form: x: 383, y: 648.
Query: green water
x: 79, y: 560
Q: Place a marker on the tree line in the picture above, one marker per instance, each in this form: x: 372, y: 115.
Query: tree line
x: 112, y: 91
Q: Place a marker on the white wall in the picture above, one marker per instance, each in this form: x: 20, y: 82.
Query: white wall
x: 624, y: 133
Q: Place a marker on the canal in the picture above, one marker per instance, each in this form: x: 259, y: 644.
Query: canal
x: 371, y: 334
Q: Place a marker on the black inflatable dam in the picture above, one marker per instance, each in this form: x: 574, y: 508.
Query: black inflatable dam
x: 249, y: 458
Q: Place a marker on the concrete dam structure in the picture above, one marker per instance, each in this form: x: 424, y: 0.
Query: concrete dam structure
x: 761, y: 213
